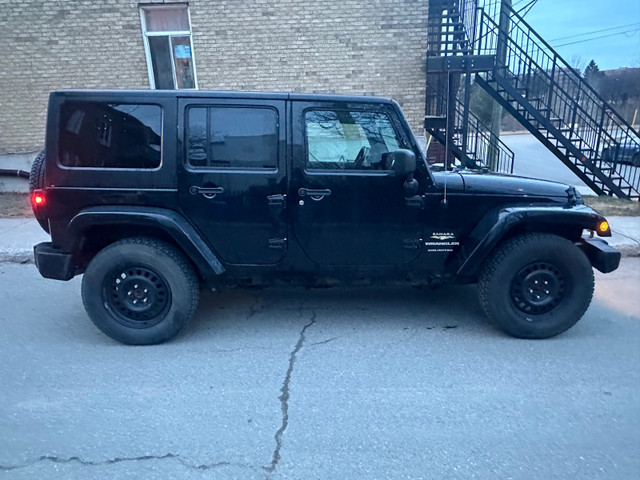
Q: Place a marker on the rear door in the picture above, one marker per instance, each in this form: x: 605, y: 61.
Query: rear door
x: 348, y: 207
x: 232, y: 187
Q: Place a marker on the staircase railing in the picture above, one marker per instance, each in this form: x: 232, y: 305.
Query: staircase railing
x: 451, y: 27
x: 479, y: 141
x: 574, y: 114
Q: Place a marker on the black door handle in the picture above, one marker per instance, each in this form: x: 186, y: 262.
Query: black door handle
x: 314, y: 192
x: 208, y: 192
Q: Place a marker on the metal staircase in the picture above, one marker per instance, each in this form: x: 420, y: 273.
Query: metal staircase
x: 509, y: 60
x: 475, y: 136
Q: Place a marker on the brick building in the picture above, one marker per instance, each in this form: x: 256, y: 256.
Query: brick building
x: 352, y: 46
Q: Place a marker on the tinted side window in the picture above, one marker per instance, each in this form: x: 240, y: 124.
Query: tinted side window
x: 341, y: 139
x: 110, y: 135
x: 232, y: 137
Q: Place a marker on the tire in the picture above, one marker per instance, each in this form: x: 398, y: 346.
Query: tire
x: 635, y: 160
x: 36, y: 176
x: 513, y: 293
x: 36, y: 182
x: 140, y: 291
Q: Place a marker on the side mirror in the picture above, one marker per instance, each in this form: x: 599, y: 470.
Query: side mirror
x: 402, y: 162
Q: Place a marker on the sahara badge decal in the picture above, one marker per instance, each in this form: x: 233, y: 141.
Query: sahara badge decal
x: 441, y: 242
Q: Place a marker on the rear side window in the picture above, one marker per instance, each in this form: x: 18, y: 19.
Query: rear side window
x: 110, y: 135
x: 232, y: 137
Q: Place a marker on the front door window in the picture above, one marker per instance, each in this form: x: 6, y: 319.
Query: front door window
x: 348, y: 140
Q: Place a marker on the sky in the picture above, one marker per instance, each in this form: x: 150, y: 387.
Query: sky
x: 555, y: 20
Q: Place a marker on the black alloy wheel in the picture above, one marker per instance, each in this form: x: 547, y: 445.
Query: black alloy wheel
x: 538, y: 288
x: 139, y: 297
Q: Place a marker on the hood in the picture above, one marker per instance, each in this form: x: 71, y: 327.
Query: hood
x: 502, y: 184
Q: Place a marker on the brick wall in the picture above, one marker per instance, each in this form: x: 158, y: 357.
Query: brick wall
x: 362, y: 47
x: 55, y: 44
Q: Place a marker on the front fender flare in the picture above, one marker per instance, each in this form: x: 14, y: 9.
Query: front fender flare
x: 169, y: 221
x: 496, y: 224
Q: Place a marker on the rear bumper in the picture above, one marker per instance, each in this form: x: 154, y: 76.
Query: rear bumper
x: 52, y: 263
x: 602, y: 256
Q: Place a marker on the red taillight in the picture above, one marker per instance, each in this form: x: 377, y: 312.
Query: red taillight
x: 38, y: 199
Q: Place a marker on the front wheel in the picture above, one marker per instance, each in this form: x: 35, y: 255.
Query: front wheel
x: 140, y: 291
x: 536, y: 285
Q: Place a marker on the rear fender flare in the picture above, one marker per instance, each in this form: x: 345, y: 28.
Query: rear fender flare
x: 169, y: 221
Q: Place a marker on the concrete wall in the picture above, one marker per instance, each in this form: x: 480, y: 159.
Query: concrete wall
x: 352, y: 46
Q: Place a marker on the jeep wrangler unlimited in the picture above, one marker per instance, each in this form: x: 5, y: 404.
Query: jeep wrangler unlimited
x: 151, y: 194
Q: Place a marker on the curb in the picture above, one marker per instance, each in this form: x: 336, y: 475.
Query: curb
x: 14, y: 255
x: 628, y: 250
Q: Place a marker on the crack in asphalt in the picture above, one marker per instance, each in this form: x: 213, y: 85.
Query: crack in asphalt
x: 284, y: 396
x: 111, y: 461
x: 255, y: 308
x: 324, y: 342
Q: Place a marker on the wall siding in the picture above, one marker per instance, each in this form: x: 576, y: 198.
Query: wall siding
x: 358, y: 47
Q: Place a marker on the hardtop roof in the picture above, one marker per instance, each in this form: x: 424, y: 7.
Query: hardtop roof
x: 149, y: 94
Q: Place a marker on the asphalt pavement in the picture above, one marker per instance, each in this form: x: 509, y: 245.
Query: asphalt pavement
x: 345, y: 383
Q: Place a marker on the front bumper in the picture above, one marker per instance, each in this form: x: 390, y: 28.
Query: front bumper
x: 602, y: 256
x: 52, y: 263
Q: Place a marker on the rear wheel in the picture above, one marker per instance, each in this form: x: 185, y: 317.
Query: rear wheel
x: 140, y: 291
x: 536, y: 285
x: 635, y: 160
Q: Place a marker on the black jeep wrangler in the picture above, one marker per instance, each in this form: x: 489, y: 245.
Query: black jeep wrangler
x: 152, y: 194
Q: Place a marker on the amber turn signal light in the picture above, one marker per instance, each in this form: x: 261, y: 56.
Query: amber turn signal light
x: 603, y: 226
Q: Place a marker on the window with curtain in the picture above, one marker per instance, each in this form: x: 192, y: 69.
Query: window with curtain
x: 167, y: 38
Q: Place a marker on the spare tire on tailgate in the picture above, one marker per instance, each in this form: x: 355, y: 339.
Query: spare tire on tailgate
x: 36, y: 182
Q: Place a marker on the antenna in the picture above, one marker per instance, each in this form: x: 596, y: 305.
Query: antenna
x: 447, y: 138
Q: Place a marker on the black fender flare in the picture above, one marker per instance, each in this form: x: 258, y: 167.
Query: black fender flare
x: 175, y: 225
x: 496, y: 224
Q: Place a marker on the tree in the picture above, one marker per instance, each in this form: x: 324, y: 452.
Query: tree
x: 591, y: 71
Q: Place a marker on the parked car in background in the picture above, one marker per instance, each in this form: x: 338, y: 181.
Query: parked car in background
x: 624, y: 149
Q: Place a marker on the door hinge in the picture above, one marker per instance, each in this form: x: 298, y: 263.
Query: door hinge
x: 277, y: 200
x: 416, y: 201
x: 278, y: 243
x: 413, y: 244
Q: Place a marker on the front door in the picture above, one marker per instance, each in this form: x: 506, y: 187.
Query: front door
x: 233, y: 184
x: 348, y: 207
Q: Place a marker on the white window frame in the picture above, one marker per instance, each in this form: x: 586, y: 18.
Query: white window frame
x: 172, y: 33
